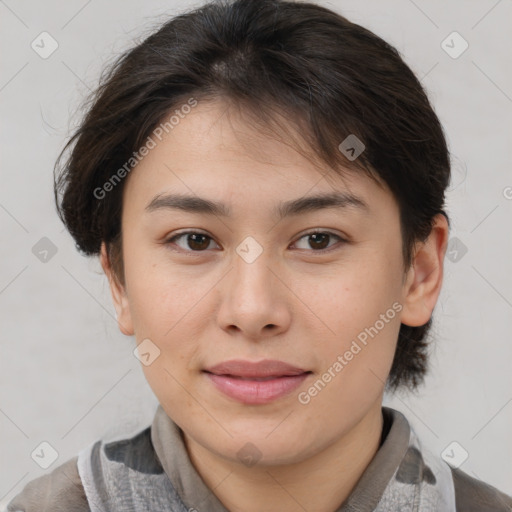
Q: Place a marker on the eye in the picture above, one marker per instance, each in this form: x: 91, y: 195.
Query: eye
x: 195, y: 240
x: 319, y: 240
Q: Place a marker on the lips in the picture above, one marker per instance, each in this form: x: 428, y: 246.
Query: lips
x: 255, y: 383
x: 255, y: 370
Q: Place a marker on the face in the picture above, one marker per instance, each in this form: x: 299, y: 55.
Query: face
x: 246, y: 283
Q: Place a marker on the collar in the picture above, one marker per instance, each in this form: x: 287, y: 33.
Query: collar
x: 397, y: 456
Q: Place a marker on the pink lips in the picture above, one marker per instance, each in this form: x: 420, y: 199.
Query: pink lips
x: 256, y: 382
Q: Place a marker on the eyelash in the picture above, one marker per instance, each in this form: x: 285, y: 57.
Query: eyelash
x: 172, y: 240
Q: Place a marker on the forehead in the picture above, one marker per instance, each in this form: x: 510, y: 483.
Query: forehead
x: 215, y: 152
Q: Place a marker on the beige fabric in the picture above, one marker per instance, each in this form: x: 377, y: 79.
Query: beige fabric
x: 58, y: 491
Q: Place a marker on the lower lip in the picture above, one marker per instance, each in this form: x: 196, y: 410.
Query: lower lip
x: 254, y: 391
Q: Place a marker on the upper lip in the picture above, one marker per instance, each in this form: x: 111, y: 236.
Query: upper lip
x: 265, y: 368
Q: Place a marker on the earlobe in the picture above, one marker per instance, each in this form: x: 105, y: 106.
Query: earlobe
x: 425, y: 277
x: 119, y: 297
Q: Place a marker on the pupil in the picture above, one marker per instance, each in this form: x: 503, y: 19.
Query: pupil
x: 194, y: 238
x: 316, y: 235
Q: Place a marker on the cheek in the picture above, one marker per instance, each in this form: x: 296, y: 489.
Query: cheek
x: 168, y: 312
x: 162, y: 297
x: 353, y: 296
x: 166, y: 309
x: 356, y: 357
x: 359, y: 310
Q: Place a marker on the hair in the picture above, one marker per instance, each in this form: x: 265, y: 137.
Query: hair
x: 328, y: 77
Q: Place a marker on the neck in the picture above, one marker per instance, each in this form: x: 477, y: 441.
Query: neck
x: 321, y: 483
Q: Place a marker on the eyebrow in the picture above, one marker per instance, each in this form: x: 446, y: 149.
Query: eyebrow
x: 195, y: 204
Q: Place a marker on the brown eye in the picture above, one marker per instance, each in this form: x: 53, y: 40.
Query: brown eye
x: 319, y: 240
x: 194, y: 241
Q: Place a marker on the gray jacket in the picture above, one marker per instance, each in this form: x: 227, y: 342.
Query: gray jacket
x: 151, y: 471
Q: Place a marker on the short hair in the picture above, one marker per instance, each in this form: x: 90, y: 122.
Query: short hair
x: 328, y: 77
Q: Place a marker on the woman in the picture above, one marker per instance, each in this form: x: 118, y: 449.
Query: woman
x: 264, y: 184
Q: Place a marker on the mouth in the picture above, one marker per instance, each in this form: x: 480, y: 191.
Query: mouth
x: 255, y: 369
x: 254, y: 379
x: 256, y: 383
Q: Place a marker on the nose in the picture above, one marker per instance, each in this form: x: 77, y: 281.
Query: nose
x: 255, y: 299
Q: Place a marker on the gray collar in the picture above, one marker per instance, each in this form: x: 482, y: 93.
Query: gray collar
x: 170, y: 448
x: 167, y: 439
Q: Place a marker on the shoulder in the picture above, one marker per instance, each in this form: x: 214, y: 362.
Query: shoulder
x: 62, y: 490
x: 58, y: 491
x: 472, y: 495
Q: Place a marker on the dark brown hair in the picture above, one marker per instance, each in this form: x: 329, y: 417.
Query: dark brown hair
x: 328, y: 77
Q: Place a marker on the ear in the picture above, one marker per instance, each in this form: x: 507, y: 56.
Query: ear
x: 119, y: 297
x: 425, y: 277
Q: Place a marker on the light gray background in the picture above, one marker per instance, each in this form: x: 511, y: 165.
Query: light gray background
x: 69, y: 377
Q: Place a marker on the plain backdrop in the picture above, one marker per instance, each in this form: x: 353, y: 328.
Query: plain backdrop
x: 69, y: 377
